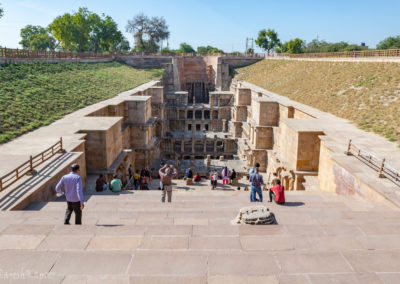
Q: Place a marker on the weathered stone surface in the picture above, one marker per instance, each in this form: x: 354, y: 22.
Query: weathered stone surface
x: 255, y: 215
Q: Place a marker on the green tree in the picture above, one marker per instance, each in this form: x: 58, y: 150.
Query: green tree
x: 84, y: 30
x: 104, y: 35
x: 185, y: 48
x: 293, y: 46
x: 389, y: 43
x: 147, y: 32
x: 208, y: 50
x: 72, y: 31
x: 267, y: 39
x: 1, y: 12
x: 36, y: 38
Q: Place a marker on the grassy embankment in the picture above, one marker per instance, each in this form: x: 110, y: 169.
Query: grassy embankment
x: 36, y: 94
x: 366, y: 93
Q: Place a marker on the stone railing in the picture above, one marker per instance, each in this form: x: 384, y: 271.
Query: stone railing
x: 45, y: 54
x: 35, y: 54
x: 344, y: 54
x: 29, y: 166
x: 380, y: 165
x: 255, y: 55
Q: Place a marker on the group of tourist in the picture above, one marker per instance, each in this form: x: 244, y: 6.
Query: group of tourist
x: 138, y: 180
x: 226, y: 175
x: 70, y: 185
x: 189, y: 174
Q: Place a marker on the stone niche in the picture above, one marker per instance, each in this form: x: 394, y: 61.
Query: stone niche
x: 263, y: 137
x: 138, y: 110
x: 239, y: 113
x: 140, y: 135
x: 176, y: 98
x: 220, y: 98
x: 103, y: 141
x: 265, y: 112
x: 157, y: 94
x: 300, y: 143
x: 243, y: 96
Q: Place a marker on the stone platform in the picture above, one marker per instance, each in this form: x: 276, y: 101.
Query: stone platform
x: 133, y: 238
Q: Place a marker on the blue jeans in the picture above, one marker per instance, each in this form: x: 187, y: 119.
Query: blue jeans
x: 254, y: 190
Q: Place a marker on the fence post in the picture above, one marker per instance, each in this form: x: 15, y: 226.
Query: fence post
x: 1, y: 184
x: 61, y: 145
x: 348, y: 153
x: 31, y: 163
x: 381, y: 175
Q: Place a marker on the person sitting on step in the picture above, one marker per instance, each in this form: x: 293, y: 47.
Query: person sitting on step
x: 277, y: 193
x: 197, y: 177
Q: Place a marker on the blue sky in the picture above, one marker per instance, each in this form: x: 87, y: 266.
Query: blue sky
x: 224, y: 24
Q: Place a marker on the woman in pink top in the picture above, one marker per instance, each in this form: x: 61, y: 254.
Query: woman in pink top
x: 225, y: 175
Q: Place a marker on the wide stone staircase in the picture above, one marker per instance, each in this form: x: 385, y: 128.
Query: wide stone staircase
x: 132, y: 237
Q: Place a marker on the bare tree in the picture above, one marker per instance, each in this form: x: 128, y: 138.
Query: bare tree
x: 147, y: 32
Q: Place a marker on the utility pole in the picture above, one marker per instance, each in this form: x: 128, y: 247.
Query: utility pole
x: 249, y: 43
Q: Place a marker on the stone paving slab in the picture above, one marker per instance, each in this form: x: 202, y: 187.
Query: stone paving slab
x: 168, y: 264
x: 92, y: 263
x: 270, y: 279
x: 64, y: 242
x: 168, y: 279
x: 108, y: 279
x: 20, y: 241
x: 321, y: 262
x: 242, y: 264
x: 348, y: 278
x: 379, y: 261
x: 214, y: 243
x: 26, y: 262
x: 348, y: 241
x: 98, y: 243
x: 165, y: 242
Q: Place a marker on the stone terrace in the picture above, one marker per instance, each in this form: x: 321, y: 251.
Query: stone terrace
x: 131, y: 237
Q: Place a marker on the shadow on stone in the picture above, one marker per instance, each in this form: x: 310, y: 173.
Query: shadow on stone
x: 293, y: 204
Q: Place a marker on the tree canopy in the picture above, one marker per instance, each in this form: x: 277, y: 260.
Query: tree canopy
x: 36, y: 38
x: 293, y: 46
x: 208, y: 50
x: 185, y: 48
x: 389, y: 43
x: 1, y: 12
x: 267, y: 39
x: 147, y: 32
x: 86, y: 31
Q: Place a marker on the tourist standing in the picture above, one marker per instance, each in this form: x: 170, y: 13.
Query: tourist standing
x: 72, y: 184
x: 225, y: 175
x: 167, y: 173
x: 233, y: 175
x: 136, y: 179
x: 256, y: 181
x: 116, y: 184
x: 214, y: 179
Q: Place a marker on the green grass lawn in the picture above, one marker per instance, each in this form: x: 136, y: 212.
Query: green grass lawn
x: 366, y: 93
x: 36, y: 94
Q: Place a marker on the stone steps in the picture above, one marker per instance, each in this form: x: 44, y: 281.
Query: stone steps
x: 132, y: 237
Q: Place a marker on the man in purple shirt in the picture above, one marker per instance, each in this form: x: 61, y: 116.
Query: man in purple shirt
x: 256, y: 181
x: 72, y: 184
